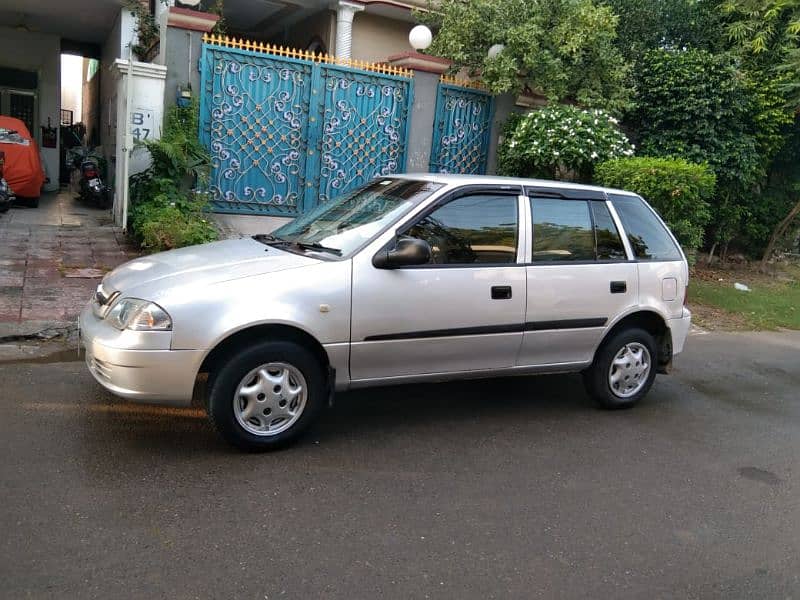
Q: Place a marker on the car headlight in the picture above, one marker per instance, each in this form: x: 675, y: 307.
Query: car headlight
x: 138, y: 315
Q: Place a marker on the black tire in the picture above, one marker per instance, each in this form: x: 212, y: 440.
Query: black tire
x: 224, y: 382
x: 596, y: 378
x: 33, y: 202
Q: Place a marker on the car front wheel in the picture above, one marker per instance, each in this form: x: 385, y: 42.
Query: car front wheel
x: 267, y: 395
x: 623, y: 370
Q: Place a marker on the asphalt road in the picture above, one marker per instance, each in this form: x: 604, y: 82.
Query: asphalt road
x: 514, y: 488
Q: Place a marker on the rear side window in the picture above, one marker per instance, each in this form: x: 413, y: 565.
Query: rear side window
x: 574, y: 230
x: 562, y: 230
x: 648, y: 237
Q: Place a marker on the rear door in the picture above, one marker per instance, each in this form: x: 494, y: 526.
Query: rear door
x: 663, y: 271
x: 579, y: 276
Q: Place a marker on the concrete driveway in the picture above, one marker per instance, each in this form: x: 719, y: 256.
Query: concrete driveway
x: 513, y: 488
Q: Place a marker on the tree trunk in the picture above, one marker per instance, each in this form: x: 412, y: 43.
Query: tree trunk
x: 711, y: 253
x: 778, y: 233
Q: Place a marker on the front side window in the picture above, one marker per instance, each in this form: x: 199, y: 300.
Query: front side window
x: 648, y: 237
x: 477, y: 229
x: 344, y: 224
x: 562, y: 230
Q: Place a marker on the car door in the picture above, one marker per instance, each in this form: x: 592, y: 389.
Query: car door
x: 463, y: 310
x: 579, y: 276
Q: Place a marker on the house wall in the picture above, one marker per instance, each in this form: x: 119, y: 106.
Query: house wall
x: 181, y: 57
x: 90, y: 115
x: 41, y: 53
x: 116, y: 46
x: 376, y: 38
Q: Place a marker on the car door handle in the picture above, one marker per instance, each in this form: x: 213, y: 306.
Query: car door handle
x: 501, y: 292
x: 619, y: 287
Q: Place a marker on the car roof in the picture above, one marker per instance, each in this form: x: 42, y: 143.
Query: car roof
x: 458, y: 180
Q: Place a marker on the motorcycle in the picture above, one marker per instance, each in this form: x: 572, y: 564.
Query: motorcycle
x: 87, y: 178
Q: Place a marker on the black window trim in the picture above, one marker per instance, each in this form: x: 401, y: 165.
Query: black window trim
x: 565, y: 193
x: 461, y: 192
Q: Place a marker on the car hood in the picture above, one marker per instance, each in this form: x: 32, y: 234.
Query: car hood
x: 202, y: 265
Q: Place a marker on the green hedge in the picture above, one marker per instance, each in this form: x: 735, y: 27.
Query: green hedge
x: 679, y: 190
x: 167, y: 227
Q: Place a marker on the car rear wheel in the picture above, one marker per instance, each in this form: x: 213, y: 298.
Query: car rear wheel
x: 33, y: 202
x: 623, y: 370
x: 267, y: 395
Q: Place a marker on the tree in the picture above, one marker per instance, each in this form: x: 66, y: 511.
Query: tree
x: 650, y: 24
x: 700, y: 106
x: 563, y: 49
x: 768, y: 34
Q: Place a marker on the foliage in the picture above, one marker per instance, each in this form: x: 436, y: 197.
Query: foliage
x: 561, y: 142
x: 768, y: 31
x: 563, y: 49
x: 166, y: 227
x: 166, y: 211
x: 677, y: 189
x: 221, y: 26
x: 146, y: 28
x: 649, y: 24
x: 698, y: 106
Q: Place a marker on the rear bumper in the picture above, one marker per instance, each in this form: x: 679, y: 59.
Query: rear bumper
x: 679, y: 329
x: 153, y: 375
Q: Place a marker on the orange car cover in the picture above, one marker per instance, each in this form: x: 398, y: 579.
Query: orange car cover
x: 23, y: 166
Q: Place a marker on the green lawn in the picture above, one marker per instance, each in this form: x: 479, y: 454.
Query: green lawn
x: 769, y: 305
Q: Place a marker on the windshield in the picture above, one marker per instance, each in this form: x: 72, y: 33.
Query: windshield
x: 344, y: 224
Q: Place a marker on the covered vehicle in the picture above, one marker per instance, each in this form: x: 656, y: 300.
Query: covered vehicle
x: 23, y: 166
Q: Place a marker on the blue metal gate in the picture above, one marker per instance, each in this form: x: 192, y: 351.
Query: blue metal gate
x: 287, y: 129
x: 461, y: 129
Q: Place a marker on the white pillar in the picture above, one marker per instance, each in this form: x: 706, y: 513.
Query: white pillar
x: 345, y: 11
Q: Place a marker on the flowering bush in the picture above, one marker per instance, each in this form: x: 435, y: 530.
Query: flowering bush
x: 561, y: 142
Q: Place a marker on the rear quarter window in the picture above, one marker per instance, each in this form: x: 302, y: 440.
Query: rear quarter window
x: 649, y: 239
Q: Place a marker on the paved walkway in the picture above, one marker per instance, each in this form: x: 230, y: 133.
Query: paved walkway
x: 52, y: 258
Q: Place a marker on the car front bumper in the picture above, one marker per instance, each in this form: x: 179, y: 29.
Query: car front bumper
x: 138, y: 366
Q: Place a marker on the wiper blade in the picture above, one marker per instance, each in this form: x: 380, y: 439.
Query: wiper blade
x: 266, y: 238
x: 317, y: 246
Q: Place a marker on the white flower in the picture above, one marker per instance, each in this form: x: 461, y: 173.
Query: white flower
x: 555, y: 153
x: 594, y: 155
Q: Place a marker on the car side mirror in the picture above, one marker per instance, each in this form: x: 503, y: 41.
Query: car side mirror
x: 408, y: 251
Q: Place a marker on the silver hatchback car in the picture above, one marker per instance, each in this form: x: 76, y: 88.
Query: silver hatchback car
x: 407, y: 279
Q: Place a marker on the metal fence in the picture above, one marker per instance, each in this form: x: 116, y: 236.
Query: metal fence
x: 288, y: 129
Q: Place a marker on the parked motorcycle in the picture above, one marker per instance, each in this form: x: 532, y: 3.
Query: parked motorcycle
x: 87, y: 178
